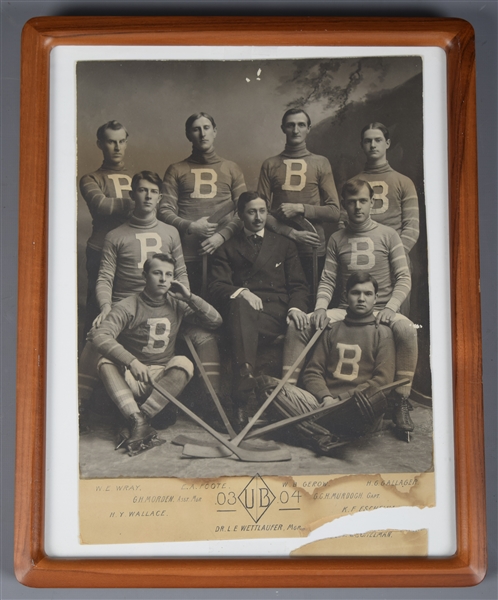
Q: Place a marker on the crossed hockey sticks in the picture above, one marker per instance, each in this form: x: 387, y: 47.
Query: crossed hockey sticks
x: 210, y: 449
x: 196, y: 450
x: 241, y: 453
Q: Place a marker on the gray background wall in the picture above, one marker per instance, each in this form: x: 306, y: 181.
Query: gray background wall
x: 482, y: 15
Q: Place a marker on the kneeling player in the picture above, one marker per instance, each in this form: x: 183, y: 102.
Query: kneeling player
x: 137, y: 342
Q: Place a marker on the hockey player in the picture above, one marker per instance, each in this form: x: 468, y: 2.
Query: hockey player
x: 137, y: 343
x: 355, y: 353
x: 127, y: 247
x: 353, y: 356
x: 258, y: 283
x: 395, y: 197
x: 298, y: 183
x: 106, y: 192
x: 195, y: 189
x: 365, y: 245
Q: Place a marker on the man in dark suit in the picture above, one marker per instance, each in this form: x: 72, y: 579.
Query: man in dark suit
x: 259, y: 286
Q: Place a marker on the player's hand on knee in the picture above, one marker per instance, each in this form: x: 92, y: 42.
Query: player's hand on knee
x: 140, y: 371
x: 385, y: 316
x: 209, y: 245
x: 299, y: 318
x: 202, y: 227
x: 103, y: 314
x: 254, y: 301
x: 318, y: 319
x: 179, y: 291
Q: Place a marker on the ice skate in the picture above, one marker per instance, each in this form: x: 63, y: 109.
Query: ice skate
x: 140, y: 437
x: 401, y: 417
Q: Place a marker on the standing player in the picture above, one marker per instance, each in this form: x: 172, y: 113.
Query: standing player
x: 137, y: 342
x: 364, y: 245
x: 106, y: 192
x: 195, y: 189
x: 298, y: 183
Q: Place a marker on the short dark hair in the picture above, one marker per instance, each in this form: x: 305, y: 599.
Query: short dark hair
x: 295, y: 111
x: 189, y: 122
x: 245, y: 198
x: 375, y: 125
x: 148, y: 176
x: 163, y: 257
x: 361, y: 277
x: 353, y: 186
x: 114, y: 125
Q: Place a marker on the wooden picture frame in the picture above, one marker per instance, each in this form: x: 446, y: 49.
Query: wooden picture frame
x: 33, y: 567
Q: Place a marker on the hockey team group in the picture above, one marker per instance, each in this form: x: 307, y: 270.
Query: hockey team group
x: 195, y: 258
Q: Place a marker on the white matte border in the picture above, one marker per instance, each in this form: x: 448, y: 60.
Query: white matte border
x: 62, y: 470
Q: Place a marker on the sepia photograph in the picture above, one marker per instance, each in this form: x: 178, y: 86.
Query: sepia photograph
x: 253, y: 291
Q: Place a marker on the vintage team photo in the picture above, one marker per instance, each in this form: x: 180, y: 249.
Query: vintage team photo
x: 252, y: 268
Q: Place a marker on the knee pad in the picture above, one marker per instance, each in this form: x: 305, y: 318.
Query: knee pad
x: 201, y: 336
x: 404, y: 328
x: 183, y: 363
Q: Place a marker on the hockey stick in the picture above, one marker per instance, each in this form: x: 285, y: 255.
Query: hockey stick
x: 241, y: 453
x: 211, y: 449
x: 210, y: 387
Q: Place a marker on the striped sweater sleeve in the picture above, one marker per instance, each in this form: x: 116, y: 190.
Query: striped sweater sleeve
x: 100, y: 204
x: 400, y: 272
x: 199, y: 312
x: 105, y: 336
x: 329, y: 276
x: 107, y: 271
x: 329, y: 210
x: 410, y: 220
x: 167, y: 210
x: 177, y: 253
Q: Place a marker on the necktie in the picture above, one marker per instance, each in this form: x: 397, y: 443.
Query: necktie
x: 255, y: 241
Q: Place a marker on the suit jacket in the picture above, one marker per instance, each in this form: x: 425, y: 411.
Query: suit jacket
x: 275, y: 276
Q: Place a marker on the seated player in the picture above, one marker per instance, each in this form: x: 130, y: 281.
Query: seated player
x: 364, y: 245
x: 258, y: 283
x: 351, y: 356
x: 137, y: 344
x: 195, y: 189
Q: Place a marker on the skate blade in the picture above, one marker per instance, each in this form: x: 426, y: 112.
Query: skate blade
x: 138, y: 448
x: 406, y: 436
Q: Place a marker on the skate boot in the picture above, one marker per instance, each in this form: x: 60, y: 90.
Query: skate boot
x: 142, y: 435
x: 401, y: 416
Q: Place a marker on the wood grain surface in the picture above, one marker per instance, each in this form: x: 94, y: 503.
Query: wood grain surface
x: 32, y: 566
